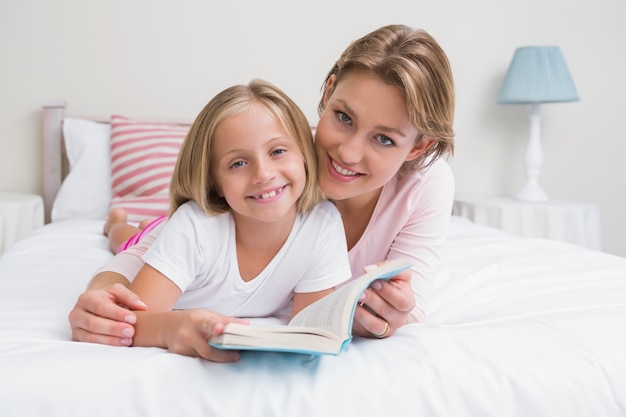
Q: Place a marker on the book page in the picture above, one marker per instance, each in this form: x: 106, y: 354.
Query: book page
x: 273, y: 332
x: 325, y: 313
x: 335, y: 311
x: 277, y: 338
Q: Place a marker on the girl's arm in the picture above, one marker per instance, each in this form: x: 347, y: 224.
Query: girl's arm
x: 180, y: 331
x: 160, y: 295
x: 303, y: 299
x: 187, y: 332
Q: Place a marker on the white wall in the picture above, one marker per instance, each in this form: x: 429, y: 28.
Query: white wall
x: 150, y: 58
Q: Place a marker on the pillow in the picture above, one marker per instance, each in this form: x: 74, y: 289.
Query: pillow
x: 143, y: 157
x: 86, y: 191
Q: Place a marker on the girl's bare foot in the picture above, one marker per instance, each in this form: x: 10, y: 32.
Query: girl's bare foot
x: 145, y: 223
x: 118, y: 215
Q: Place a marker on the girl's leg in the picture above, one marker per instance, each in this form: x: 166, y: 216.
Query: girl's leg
x: 117, y: 229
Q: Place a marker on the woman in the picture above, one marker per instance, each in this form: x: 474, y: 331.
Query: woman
x: 386, y: 118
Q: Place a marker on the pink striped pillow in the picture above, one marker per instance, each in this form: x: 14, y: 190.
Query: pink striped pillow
x: 142, y: 161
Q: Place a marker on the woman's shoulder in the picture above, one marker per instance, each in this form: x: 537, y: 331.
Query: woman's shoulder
x: 427, y: 189
x: 438, y: 174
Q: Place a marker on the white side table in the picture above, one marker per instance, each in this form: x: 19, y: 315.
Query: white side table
x: 20, y: 214
x: 569, y: 221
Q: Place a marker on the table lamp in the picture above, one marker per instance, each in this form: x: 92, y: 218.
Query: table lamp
x: 537, y: 74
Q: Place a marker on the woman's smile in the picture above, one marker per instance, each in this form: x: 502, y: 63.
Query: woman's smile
x: 341, y: 173
x: 341, y: 170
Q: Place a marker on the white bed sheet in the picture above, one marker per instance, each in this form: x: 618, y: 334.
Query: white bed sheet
x: 516, y: 326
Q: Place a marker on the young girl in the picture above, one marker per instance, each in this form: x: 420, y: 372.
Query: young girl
x: 385, y: 124
x: 247, y: 229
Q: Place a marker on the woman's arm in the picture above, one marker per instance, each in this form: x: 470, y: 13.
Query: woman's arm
x: 102, y: 313
x: 384, y: 303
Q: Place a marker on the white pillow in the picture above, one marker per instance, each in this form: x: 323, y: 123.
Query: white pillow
x: 86, y: 191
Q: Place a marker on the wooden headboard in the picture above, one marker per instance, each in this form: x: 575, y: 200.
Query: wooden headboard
x: 55, y: 164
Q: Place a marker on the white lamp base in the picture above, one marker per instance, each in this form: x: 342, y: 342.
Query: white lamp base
x: 532, y: 191
x: 533, y: 159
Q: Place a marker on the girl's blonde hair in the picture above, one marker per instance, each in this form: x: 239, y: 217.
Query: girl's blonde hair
x: 414, y: 62
x: 193, y: 177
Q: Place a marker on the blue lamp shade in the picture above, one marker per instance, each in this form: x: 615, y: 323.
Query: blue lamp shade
x: 537, y: 74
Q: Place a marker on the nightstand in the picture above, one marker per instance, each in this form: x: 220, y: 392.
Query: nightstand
x: 568, y: 221
x: 20, y: 214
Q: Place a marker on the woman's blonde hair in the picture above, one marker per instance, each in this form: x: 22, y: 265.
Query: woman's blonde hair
x: 414, y: 62
x: 193, y: 177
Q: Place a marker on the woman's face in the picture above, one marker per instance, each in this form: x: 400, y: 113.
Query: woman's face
x: 363, y: 136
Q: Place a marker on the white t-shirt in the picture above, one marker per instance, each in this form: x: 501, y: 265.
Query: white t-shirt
x: 197, y: 252
x: 410, y: 221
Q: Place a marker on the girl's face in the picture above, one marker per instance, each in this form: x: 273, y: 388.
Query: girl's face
x: 363, y: 136
x: 258, y: 168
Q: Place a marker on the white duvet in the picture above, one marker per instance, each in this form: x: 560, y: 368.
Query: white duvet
x: 515, y: 327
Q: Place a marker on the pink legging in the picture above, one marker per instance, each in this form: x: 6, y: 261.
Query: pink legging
x: 137, y: 236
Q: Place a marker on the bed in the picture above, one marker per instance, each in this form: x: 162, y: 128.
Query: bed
x: 515, y: 326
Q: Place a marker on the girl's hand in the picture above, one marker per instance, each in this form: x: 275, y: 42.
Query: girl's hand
x: 384, y: 307
x: 103, y: 315
x: 187, y: 332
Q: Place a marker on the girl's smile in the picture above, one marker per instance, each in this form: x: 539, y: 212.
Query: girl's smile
x: 269, y: 196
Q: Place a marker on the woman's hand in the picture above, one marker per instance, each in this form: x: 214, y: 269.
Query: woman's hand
x: 187, y: 332
x: 384, y: 307
x: 102, y: 314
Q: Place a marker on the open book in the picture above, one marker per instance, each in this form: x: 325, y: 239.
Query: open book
x: 324, y: 327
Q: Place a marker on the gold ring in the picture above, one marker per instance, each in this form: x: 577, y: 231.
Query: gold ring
x: 384, y: 333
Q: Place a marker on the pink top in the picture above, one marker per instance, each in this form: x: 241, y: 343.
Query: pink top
x: 410, y: 221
